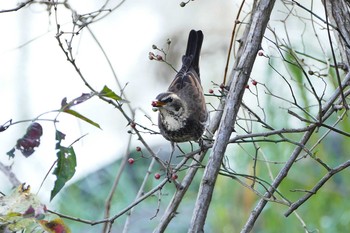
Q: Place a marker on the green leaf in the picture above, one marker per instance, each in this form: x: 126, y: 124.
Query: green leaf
x: 65, y: 169
x: 78, y: 115
x: 106, y: 92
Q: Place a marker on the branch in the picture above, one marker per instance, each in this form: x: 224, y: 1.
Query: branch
x: 10, y: 175
x: 170, y: 212
x: 241, y: 73
x: 284, y: 171
x: 314, y: 190
x: 20, y: 6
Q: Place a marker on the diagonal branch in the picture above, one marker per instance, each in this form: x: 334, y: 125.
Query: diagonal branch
x: 314, y: 190
x: 284, y: 171
x: 240, y: 76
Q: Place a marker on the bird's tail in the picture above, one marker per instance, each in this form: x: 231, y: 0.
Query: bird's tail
x: 194, y: 46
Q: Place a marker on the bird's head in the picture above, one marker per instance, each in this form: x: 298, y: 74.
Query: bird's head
x: 169, y: 103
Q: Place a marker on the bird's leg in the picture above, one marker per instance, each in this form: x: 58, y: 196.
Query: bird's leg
x: 169, y: 172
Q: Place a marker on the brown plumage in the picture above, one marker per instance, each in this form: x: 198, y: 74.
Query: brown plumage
x: 182, y: 109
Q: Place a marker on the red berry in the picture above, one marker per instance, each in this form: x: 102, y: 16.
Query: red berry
x: 138, y: 148
x: 211, y: 91
x: 261, y: 52
x: 254, y: 82
x: 159, y: 58
x: 151, y: 55
x: 131, y: 161
x: 174, y: 176
x: 247, y: 86
x: 154, y: 103
x: 157, y: 176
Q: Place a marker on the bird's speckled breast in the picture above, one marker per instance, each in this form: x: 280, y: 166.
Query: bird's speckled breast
x: 191, y: 130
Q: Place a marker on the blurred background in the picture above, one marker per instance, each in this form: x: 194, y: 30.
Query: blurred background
x: 35, y: 76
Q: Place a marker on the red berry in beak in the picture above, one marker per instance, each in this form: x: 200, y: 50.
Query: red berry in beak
x: 154, y: 103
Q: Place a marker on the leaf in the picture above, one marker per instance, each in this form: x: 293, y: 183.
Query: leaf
x: 22, y: 211
x: 84, y: 97
x: 78, y: 115
x: 11, y: 153
x: 106, y: 92
x: 65, y: 169
x: 55, y: 226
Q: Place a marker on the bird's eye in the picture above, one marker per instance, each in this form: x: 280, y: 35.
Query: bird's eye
x: 168, y: 100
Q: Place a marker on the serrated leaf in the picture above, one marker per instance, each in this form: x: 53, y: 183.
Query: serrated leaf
x: 106, y: 92
x: 78, y: 115
x: 65, y: 168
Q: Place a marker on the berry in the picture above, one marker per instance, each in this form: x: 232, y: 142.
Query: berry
x: 254, y: 82
x: 131, y: 161
x: 261, y: 52
x: 154, y: 103
x: 211, y: 91
x: 247, y: 86
x: 138, y: 148
x: 222, y: 86
x: 174, y: 176
x: 151, y: 55
x: 159, y: 58
x: 157, y: 176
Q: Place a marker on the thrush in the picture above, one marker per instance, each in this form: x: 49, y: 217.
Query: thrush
x: 182, y: 110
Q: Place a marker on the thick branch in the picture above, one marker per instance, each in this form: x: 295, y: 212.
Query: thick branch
x: 242, y: 69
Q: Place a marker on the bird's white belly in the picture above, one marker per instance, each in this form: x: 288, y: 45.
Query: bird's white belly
x: 173, y: 123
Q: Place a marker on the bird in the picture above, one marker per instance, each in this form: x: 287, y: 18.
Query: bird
x: 182, y: 109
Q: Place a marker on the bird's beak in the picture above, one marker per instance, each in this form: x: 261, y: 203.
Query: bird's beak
x: 157, y: 104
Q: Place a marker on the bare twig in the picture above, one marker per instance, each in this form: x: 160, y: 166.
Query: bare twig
x: 317, y: 187
x: 9, y: 174
x: 20, y: 6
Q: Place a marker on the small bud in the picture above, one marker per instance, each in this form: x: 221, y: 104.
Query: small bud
x: 168, y: 41
x: 132, y: 125
x: 237, y: 21
x: 211, y: 91
x: 154, y: 46
x: 222, y: 86
x: 311, y: 72
x: 254, y: 82
x: 138, y: 148
x: 182, y: 4
x: 247, y: 86
x: 157, y: 176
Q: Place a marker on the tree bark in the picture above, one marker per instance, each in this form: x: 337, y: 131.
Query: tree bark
x: 240, y: 76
